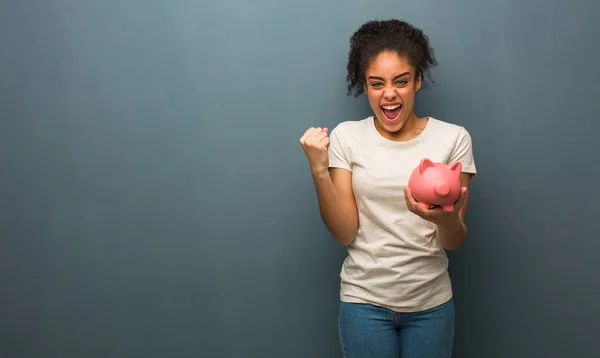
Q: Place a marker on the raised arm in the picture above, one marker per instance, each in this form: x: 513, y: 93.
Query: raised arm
x: 337, y: 205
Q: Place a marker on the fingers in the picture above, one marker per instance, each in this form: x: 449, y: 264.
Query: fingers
x: 320, y: 136
x: 421, y: 209
x: 315, y: 138
x: 309, y: 133
x: 434, y: 214
x: 464, y: 194
x: 413, y: 205
x: 410, y: 201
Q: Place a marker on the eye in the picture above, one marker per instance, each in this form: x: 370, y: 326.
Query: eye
x: 376, y: 84
x: 401, y: 82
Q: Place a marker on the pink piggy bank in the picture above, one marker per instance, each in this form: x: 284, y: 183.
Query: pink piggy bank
x: 436, y: 184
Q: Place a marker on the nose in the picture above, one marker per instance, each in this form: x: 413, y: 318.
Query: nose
x: 389, y: 94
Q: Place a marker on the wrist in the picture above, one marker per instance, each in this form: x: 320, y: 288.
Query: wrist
x: 320, y: 173
x: 451, y: 222
x: 452, y: 232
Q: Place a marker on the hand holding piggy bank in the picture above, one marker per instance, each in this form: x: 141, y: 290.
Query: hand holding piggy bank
x: 436, y: 184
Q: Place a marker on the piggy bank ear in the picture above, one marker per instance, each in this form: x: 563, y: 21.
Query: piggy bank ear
x: 425, y: 163
x: 456, y: 166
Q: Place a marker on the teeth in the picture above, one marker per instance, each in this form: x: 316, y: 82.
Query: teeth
x: 391, y: 108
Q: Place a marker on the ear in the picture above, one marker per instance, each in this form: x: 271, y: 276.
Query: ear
x: 418, y: 82
x: 456, y: 166
x: 425, y: 163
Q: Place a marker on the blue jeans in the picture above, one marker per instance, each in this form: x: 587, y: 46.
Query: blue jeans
x: 370, y: 331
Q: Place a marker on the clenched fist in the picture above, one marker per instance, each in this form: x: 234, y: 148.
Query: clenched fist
x: 315, y: 143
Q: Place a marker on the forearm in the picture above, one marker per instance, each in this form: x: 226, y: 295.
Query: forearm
x: 341, y: 221
x: 452, y: 234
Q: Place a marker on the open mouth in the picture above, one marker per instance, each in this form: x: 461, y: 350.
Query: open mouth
x: 391, y: 112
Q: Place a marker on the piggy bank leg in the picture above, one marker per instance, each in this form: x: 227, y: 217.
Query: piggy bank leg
x: 448, y: 208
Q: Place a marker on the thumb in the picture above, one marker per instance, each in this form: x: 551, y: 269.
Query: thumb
x: 325, y: 143
x: 462, y: 198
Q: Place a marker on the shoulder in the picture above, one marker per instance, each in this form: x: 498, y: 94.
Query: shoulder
x: 449, y: 134
x: 345, y: 139
x: 456, y: 141
x: 351, y: 130
x: 447, y: 129
x: 352, y: 126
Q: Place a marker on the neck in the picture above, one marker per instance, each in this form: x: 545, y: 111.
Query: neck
x: 409, y: 130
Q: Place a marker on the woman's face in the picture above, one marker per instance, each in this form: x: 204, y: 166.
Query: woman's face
x: 391, y: 87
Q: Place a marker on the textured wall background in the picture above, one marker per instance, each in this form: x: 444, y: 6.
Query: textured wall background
x: 155, y: 202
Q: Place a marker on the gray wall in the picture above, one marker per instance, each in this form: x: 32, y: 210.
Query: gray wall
x: 155, y: 202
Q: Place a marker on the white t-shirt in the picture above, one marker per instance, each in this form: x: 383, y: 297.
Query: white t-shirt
x: 395, y: 260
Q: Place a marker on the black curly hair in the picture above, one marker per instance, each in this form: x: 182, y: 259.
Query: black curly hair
x: 394, y: 35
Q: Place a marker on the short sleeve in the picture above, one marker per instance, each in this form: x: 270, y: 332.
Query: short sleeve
x: 338, y: 157
x: 463, y: 152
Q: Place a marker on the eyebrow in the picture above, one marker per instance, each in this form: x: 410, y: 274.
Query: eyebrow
x: 379, y: 78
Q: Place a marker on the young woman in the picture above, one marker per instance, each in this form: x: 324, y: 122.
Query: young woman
x: 396, y: 294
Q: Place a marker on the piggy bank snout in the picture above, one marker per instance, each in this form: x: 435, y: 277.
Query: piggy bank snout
x: 442, y: 189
